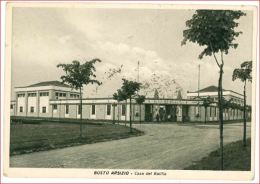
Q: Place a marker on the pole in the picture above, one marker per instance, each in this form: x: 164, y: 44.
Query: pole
x: 244, y: 116
x: 80, y: 90
x: 199, y: 92
x: 138, y: 65
x: 199, y: 81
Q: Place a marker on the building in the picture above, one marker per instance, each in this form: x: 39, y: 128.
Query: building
x: 34, y: 100
x: 54, y: 99
x: 229, y: 95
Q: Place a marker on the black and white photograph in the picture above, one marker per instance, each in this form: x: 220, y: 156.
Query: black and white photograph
x: 130, y: 90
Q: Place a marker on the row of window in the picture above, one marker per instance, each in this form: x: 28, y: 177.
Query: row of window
x: 93, y: 109
x: 21, y: 95
x: 213, y: 111
x: 74, y: 96
x: 44, y: 93
x: 31, y: 94
x: 32, y: 109
x: 58, y: 94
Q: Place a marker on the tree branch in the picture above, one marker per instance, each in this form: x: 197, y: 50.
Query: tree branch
x: 214, y: 54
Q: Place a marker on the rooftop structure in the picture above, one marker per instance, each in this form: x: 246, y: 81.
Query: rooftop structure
x: 212, y: 91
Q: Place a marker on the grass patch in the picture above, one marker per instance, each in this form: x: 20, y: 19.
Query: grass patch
x: 27, y: 138
x: 236, y: 158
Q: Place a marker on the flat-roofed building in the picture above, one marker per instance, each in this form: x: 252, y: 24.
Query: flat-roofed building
x: 56, y: 100
x: 34, y: 100
x: 229, y: 95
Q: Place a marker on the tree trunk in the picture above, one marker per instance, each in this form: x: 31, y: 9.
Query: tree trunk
x: 220, y: 96
x: 140, y: 113
x: 80, y: 91
x: 130, y: 115
x: 114, y: 108
x: 118, y: 112
x: 125, y: 112
x: 244, y: 114
x: 205, y: 115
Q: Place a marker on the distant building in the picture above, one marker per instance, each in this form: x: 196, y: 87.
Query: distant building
x: 34, y: 100
x: 212, y: 91
x: 54, y: 99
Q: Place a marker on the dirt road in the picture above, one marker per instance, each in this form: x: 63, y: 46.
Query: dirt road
x: 164, y: 146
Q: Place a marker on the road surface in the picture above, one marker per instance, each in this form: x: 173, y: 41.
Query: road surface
x: 164, y: 146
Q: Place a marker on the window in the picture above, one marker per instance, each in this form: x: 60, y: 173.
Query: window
x: 32, y: 109
x: 11, y: 106
x: 31, y: 94
x: 67, y: 109
x: 74, y: 96
x: 21, y: 95
x: 123, y: 109
x: 109, y: 109
x: 43, y: 109
x: 79, y: 109
x: 93, y: 109
x: 55, y: 107
x: 44, y: 93
x: 64, y: 94
x: 21, y: 109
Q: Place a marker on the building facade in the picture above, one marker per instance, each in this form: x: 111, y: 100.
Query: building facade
x: 229, y: 95
x: 53, y: 99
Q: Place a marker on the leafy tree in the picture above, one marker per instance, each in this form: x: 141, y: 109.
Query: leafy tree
x: 214, y: 30
x: 206, y: 103
x: 77, y: 75
x: 226, y: 104
x: 233, y: 106
x: 119, y: 96
x: 128, y: 91
x: 244, y: 74
x: 140, y: 100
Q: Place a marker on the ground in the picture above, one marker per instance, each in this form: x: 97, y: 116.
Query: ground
x: 237, y: 158
x: 26, y: 138
x: 164, y: 146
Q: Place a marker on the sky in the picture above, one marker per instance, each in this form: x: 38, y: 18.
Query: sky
x: 45, y: 37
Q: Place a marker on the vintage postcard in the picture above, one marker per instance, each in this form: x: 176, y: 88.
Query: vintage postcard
x: 133, y: 91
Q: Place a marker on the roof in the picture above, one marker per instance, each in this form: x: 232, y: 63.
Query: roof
x: 49, y: 83
x: 210, y: 89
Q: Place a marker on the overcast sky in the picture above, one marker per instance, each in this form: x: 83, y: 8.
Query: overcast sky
x: 45, y: 37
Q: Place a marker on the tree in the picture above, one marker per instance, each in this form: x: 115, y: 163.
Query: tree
x: 77, y: 75
x: 214, y: 30
x: 226, y: 104
x: 119, y: 96
x: 128, y: 91
x: 206, y: 103
x: 244, y: 74
x: 140, y: 100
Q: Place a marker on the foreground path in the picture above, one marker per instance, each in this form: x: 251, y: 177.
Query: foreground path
x: 164, y: 146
